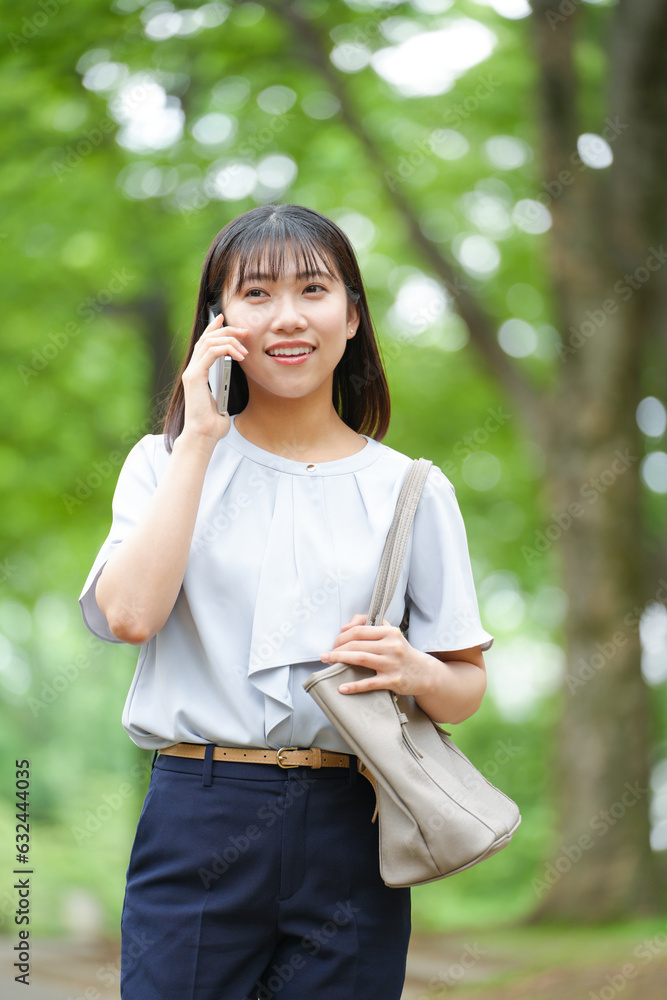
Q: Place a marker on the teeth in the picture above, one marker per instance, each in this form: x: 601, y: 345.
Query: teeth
x: 290, y: 350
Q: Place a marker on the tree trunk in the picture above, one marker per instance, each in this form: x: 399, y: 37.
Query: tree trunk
x: 601, y: 865
x: 154, y: 312
x: 154, y: 317
x: 603, y: 261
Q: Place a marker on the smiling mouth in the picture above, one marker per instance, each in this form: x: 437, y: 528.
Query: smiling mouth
x: 290, y: 356
x: 275, y: 352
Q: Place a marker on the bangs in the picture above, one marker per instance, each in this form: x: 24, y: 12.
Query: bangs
x: 267, y: 253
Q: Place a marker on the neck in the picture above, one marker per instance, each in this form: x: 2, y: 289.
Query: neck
x: 291, y: 427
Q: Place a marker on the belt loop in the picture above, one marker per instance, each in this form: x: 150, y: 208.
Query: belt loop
x: 154, y: 759
x: 207, y: 771
x: 353, y: 767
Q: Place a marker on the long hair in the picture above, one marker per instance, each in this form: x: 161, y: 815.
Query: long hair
x: 262, y: 236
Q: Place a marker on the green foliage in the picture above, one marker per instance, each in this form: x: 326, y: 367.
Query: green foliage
x: 83, y: 264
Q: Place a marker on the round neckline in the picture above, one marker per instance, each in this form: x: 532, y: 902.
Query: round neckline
x: 335, y: 467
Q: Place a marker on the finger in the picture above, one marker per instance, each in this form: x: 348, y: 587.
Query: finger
x: 220, y: 336
x: 230, y: 346
x: 354, y: 620
x: 228, y: 350
x: 364, y: 633
x: 361, y: 658
x: 341, y: 645
x: 370, y: 684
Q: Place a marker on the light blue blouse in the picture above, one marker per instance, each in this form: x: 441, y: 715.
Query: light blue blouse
x: 283, y: 553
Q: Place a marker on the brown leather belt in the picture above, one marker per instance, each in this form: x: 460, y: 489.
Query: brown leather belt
x: 285, y: 757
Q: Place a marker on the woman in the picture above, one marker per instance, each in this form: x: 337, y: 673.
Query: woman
x: 242, y: 555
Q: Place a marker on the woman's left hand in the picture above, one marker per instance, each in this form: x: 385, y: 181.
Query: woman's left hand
x: 384, y: 648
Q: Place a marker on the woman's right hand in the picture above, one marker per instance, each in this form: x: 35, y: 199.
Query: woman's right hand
x: 201, y: 414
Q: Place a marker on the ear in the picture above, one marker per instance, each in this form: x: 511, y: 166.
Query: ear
x: 353, y: 320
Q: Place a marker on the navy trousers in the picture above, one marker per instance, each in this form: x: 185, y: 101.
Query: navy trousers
x: 254, y: 882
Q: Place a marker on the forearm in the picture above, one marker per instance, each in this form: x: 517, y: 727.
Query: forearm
x: 139, y: 584
x: 454, y: 688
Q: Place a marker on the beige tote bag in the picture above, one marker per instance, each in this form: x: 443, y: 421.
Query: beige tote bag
x: 437, y: 814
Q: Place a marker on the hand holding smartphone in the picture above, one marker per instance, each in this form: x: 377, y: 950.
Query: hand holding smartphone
x: 219, y: 374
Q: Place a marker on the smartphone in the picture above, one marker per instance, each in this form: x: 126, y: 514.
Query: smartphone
x: 220, y: 373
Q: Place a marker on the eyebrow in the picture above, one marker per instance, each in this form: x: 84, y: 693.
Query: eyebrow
x: 265, y: 276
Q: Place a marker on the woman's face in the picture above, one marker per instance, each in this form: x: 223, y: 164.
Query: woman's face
x: 299, y: 327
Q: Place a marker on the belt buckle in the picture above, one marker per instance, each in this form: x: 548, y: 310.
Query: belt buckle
x: 280, y: 763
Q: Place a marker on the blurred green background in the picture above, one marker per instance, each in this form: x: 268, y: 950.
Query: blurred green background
x: 478, y: 155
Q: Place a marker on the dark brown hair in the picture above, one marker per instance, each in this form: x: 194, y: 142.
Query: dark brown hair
x: 262, y: 236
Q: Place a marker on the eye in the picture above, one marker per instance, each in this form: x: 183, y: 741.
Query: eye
x: 251, y: 290
x: 315, y: 286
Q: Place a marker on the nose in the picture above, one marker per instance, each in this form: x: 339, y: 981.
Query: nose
x: 287, y: 314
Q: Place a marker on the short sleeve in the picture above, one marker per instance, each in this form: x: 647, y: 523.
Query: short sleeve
x: 444, y: 614
x: 136, y: 485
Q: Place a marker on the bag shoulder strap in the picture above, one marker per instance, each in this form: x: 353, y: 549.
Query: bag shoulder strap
x: 397, y: 539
